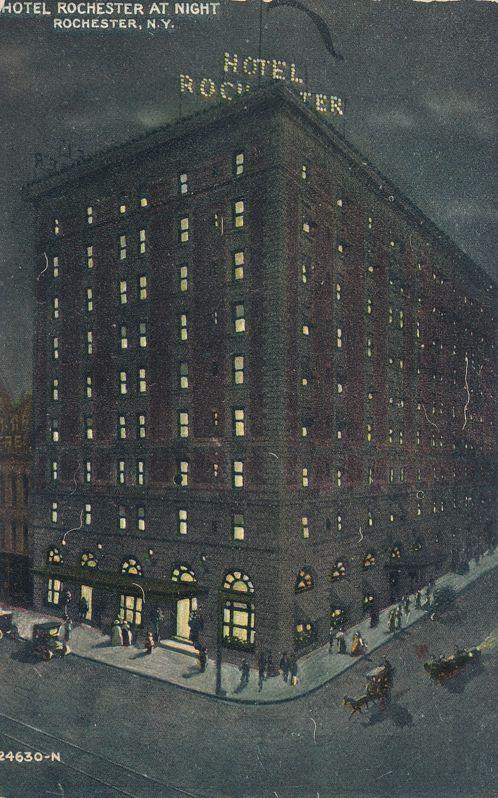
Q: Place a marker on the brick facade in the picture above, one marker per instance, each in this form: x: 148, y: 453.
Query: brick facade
x: 358, y: 312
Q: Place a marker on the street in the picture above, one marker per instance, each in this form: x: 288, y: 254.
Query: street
x: 122, y: 734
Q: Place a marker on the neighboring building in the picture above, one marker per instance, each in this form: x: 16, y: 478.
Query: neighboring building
x: 251, y: 368
x: 15, y: 468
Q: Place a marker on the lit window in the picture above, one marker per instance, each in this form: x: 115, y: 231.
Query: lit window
x: 370, y: 475
x: 369, y: 433
x: 238, y: 369
x: 368, y: 561
x: 55, y: 389
x: 55, y: 348
x: 55, y: 267
x: 183, y: 183
x: 54, y: 513
x: 338, y: 291
x: 142, y: 287
x: 304, y: 381
x: 306, y: 329
x: 89, y: 386
x: 391, y: 475
x: 238, y: 164
x: 141, y: 519
x: 238, y: 265
x: 238, y: 527
x: 88, y: 514
x: 142, y: 241
x: 183, y: 277
x: 89, y: 257
x: 140, y: 472
x: 184, y: 230
x: 340, y: 248
x: 304, y: 171
x: 338, y: 522
x: 121, y: 472
x: 238, y: 213
x: 89, y: 300
x: 89, y: 428
x: 89, y: 214
x: 338, y: 477
x: 124, y: 337
x: 144, y: 202
x: 306, y: 226
x: 305, y: 529
x: 340, y: 388
x: 305, y: 478
x: 401, y: 319
x: 54, y: 469
x: 339, y: 338
x: 339, y: 570
x: 183, y: 473
x: 183, y: 327
x: 400, y: 437
x: 370, y: 520
x: 183, y: 374
x: 369, y: 307
x: 122, y: 247
x: 239, y: 422
x: 122, y: 208
x: 55, y: 307
x: 54, y: 430
x: 390, y: 315
x: 402, y: 474
x: 123, y: 292
x: 304, y: 581
x: 142, y: 381
x: 141, y: 426
x: 304, y: 430
x: 182, y: 522
x: 183, y: 424
x: 122, y: 517
x: 339, y: 203
x: 238, y: 474
x: 304, y: 272
x: 123, y: 383
x: 370, y: 222
x: 142, y: 335
x: 89, y: 342
x: 54, y: 588
x: 122, y: 428
x: 57, y: 227
x: 239, y: 319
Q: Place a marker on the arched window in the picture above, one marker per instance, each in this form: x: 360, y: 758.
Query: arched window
x: 237, y: 582
x: 337, y: 616
x: 368, y: 600
x: 418, y: 544
x: 88, y: 560
x: 395, y: 553
x: 54, y: 557
x: 132, y: 567
x: 182, y: 573
x: 369, y: 560
x: 304, y: 633
x: 339, y: 570
x: 238, y: 613
x: 304, y: 581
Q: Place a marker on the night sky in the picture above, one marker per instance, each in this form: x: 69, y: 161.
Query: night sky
x: 419, y: 79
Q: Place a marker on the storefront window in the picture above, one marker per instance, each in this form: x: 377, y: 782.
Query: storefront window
x: 238, y: 614
x: 54, y: 591
x: 130, y: 609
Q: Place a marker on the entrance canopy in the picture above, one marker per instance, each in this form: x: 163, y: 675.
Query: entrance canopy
x: 112, y: 580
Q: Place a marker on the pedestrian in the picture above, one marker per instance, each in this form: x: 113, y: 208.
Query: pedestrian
x: 244, y: 673
x: 358, y: 645
x: 116, y: 634
x: 398, y: 617
x: 374, y: 616
x: 261, y: 670
x: 418, y: 600
x: 127, y: 634
x: 407, y: 604
x: 157, y: 617
x: 83, y: 608
x: 331, y: 639
x: 202, y: 658
x: 392, y: 621
x: 149, y: 642
x: 285, y: 665
x: 293, y: 670
x: 341, y: 641
x: 68, y: 630
x: 427, y: 598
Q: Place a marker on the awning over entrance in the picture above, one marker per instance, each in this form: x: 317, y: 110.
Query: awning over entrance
x: 411, y: 564
x: 117, y: 581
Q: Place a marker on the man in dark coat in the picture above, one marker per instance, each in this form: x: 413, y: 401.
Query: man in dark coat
x: 285, y: 665
x: 261, y: 670
x: 244, y: 673
x: 82, y: 608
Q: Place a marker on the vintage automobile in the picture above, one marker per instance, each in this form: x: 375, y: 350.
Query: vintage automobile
x: 46, y: 641
x: 5, y: 623
x: 445, y: 667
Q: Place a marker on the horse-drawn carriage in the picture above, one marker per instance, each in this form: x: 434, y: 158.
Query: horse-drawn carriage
x: 378, y: 689
x: 445, y: 667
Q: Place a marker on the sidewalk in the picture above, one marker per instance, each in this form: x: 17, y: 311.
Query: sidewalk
x: 315, y: 669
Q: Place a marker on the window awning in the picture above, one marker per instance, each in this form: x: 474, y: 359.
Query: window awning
x: 111, y: 580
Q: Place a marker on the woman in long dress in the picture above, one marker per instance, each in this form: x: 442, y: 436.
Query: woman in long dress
x: 116, y: 634
x: 127, y: 634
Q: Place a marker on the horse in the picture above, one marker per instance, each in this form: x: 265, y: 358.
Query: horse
x: 357, y: 704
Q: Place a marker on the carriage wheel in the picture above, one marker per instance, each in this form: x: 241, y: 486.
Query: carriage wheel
x: 1, y: 634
